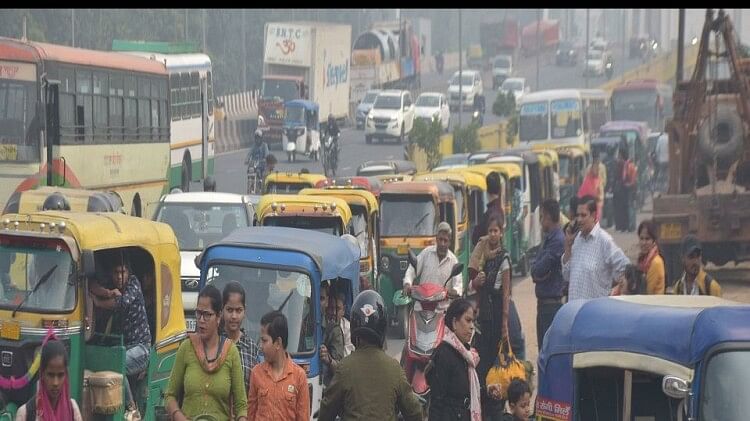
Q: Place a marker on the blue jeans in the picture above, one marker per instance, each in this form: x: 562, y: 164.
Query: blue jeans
x: 136, y: 361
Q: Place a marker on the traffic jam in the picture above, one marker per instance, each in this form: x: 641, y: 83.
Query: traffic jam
x: 521, y: 214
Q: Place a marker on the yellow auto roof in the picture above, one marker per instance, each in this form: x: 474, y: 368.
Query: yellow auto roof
x: 290, y: 177
x: 96, y: 231
x: 264, y: 205
x: 469, y: 178
x: 352, y: 196
x: 509, y: 169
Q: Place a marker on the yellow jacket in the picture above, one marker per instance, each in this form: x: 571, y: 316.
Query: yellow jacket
x: 700, y: 280
x: 655, y: 276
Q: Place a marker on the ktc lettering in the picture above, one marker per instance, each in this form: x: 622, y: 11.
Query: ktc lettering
x: 336, y: 74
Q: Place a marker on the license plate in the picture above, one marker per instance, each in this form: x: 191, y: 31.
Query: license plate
x: 10, y: 330
x: 190, y: 325
x: 671, y: 231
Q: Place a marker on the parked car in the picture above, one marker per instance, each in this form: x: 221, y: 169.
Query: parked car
x: 364, y: 107
x: 502, y: 68
x: 567, y: 55
x: 391, y: 116
x: 517, y: 85
x: 431, y: 106
x: 470, y: 86
x: 198, y: 220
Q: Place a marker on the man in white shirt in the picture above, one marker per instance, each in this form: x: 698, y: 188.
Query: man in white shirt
x: 434, y: 264
x: 592, y: 260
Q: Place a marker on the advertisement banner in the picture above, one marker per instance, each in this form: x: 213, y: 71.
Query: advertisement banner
x: 287, y: 44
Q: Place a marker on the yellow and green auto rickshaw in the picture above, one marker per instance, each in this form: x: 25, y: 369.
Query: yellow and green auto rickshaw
x: 573, y: 163
x: 48, y: 261
x: 331, y: 215
x: 409, y: 215
x: 290, y: 183
x: 78, y: 200
x: 365, y: 225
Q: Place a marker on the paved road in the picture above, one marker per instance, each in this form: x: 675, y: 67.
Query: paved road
x: 230, y: 169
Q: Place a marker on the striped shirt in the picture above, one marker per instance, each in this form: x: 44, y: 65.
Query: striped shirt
x: 595, y: 262
x: 249, y: 352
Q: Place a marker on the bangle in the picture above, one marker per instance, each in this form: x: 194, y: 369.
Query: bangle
x: 171, y: 416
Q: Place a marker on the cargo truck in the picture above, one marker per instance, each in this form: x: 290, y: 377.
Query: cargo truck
x: 304, y: 60
x: 549, y: 36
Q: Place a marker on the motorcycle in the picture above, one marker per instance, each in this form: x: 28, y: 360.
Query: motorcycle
x: 478, y: 117
x: 254, y: 177
x: 330, y: 155
x: 609, y: 69
x: 425, y: 329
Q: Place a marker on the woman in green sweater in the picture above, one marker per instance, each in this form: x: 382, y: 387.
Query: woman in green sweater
x: 207, y: 371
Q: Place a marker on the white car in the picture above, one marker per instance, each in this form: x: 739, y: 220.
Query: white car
x: 594, y: 63
x: 431, y: 106
x: 470, y: 86
x: 391, y: 116
x: 502, y: 68
x: 517, y: 85
x: 198, y: 220
x: 364, y: 107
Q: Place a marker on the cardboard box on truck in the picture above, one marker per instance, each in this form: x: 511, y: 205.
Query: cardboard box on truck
x: 317, y: 57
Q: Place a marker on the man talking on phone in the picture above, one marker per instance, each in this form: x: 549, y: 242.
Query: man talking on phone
x: 591, y: 260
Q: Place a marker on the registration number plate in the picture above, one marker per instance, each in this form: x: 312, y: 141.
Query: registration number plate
x: 190, y: 325
x: 671, y: 231
x: 10, y: 330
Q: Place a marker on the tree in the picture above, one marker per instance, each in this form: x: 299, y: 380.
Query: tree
x: 465, y: 139
x: 427, y: 137
x: 504, y: 105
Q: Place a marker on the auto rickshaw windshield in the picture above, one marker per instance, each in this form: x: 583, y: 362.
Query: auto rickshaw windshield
x: 727, y: 374
x: 267, y: 290
x: 564, y: 168
x: 41, y: 273
x: 329, y: 225
x: 359, y: 226
x: 295, y: 115
x: 407, y: 216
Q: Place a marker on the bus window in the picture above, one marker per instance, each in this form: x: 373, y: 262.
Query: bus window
x: 534, y: 120
x: 598, y: 114
x: 115, y: 106
x: 195, y: 95
x: 19, y: 126
x: 565, y: 118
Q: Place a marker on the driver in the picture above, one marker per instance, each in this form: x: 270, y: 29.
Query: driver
x: 258, y: 152
x: 434, y: 264
x: 479, y: 103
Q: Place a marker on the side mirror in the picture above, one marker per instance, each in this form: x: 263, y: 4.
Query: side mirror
x: 457, y: 268
x: 675, y: 387
x: 412, y: 258
x: 89, y: 263
x: 197, y: 260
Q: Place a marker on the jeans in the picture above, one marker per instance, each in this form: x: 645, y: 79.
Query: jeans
x: 136, y: 361
x: 545, y: 313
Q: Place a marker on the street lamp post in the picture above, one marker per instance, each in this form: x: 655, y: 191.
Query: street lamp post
x: 460, y: 71
x: 586, y: 52
x: 538, y: 48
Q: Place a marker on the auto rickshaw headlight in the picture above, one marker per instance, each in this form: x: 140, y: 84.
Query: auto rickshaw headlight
x: 283, y: 207
x: 61, y: 227
x: 274, y: 206
x: 333, y: 206
x: 385, y: 262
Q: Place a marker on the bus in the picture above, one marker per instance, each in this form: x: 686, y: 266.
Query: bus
x: 562, y: 116
x: 192, y: 107
x: 643, y: 100
x: 104, y: 114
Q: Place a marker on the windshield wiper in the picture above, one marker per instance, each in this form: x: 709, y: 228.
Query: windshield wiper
x: 414, y: 228
x: 39, y: 283
x: 286, y: 300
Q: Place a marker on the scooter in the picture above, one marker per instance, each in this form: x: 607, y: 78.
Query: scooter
x: 609, y: 70
x: 330, y: 156
x: 425, y: 329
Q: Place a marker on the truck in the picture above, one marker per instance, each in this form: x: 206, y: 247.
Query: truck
x: 499, y: 38
x: 304, y: 60
x: 549, y: 36
x: 709, y: 156
x: 387, y: 56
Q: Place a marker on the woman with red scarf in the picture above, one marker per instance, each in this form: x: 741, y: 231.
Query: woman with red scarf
x: 650, y: 261
x: 52, y: 401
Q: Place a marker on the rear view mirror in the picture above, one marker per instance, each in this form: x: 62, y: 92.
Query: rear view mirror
x: 89, y: 263
x: 675, y: 387
x: 412, y: 258
x: 457, y: 268
x: 197, y: 260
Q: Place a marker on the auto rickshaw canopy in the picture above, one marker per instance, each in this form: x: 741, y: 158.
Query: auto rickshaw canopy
x: 371, y: 184
x: 351, y: 196
x: 80, y: 200
x: 334, y: 256
x: 674, y: 328
x: 283, y: 204
x: 440, y: 191
x: 387, y: 167
x: 289, y: 178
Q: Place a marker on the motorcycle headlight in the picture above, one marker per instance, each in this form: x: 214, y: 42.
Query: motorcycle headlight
x: 385, y: 262
x: 476, y: 113
x: 557, y: 52
x: 571, y: 52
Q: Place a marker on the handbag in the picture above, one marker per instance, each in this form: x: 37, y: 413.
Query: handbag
x: 505, y: 369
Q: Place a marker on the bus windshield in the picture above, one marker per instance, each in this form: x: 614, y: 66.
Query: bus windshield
x: 635, y: 105
x: 267, y: 290
x: 410, y: 215
x: 566, y: 118
x: 38, y: 270
x: 534, y: 119
x: 326, y: 224
x: 19, y: 124
x: 727, y: 377
x: 284, y: 89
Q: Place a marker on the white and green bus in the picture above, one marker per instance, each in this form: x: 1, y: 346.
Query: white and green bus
x: 191, y: 95
x: 83, y: 119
